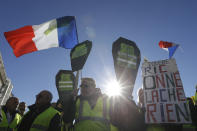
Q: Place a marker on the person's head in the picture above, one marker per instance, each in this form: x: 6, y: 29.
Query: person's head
x: 22, y: 107
x: 88, y: 86
x: 43, y: 98
x: 12, y: 104
x: 141, y: 96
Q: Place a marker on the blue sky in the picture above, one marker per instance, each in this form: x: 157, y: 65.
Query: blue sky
x: 102, y: 22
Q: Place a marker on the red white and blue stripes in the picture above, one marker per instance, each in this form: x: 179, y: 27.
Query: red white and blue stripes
x: 59, y: 32
x: 168, y: 46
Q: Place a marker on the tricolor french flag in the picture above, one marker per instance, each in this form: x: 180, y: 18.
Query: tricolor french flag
x: 60, y: 32
x: 168, y: 46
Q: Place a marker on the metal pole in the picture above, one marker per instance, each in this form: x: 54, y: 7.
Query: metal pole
x: 77, y: 79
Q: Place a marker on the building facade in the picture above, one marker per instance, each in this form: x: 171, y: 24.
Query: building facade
x: 5, y: 84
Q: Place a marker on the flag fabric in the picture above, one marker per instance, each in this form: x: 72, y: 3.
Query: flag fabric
x: 60, y: 32
x: 168, y: 46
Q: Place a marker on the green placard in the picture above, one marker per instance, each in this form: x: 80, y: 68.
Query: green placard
x: 126, y: 56
x: 79, y: 55
x: 81, y: 50
x: 65, y: 81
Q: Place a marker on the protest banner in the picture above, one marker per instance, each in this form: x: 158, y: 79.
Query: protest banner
x: 164, y: 96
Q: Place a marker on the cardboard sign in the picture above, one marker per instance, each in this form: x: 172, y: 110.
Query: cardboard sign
x: 164, y: 95
x: 79, y: 55
x: 126, y: 56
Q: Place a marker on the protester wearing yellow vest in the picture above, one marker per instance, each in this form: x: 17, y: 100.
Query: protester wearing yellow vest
x: 91, y: 110
x: 94, y: 111
x: 41, y: 116
x: 192, y: 102
x: 194, y: 98
x: 21, y: 108
x: 10, y: 117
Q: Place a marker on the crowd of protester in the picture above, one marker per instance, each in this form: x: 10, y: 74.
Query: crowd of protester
x: 89, y: 111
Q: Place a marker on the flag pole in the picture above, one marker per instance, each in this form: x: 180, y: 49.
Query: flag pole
x: 77, y: 79
x: 78, y: 72
x: 76, y: 31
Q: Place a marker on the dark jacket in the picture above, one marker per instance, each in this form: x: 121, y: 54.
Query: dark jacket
x: 28, y: 119
x: 126, y: 115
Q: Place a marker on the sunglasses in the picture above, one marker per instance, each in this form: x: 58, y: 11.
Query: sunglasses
x: 84, y: 86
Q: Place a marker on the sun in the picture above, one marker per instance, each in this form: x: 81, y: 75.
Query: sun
x: 113, y: 88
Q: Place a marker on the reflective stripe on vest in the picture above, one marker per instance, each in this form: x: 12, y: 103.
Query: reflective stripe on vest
x: 4, y: 125
x: 102, y: 119
x: 42, y: 121
x: 189, y: 126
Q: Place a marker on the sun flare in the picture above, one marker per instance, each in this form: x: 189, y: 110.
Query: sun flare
x: 113, y: 88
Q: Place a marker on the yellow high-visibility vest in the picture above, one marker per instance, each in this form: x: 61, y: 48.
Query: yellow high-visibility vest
x: 42, y: 121
x: 88, y: 119
x: 4, y: 125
